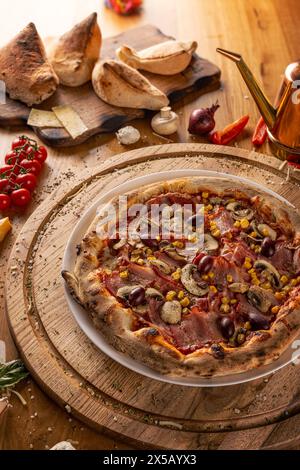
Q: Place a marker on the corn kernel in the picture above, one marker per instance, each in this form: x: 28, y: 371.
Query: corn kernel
x: 205, y: 194
x: 192, y: 238
x: 205, y: 277
x: 213, y: 289
x: 245, y: 223
x: 185, y: 302
x: 178, y: 244
x: 253, y: 234
x: 209, y: 207
x: 229, y: 278
x: 225, y: 308
x: 237, y: 224
x: 216, y: 233
x: 284, y: 279
x: 279, y: 295
x: 225, y: 300
x: 247, y: 265
x: 229, y: 235
x: 233, y: 301
x: 150, y: 258
x: 140, y: 261
x: 170, y: 295
x: 185, y: 310
x: 294, y: 282
x: 148, y: 251
x: 123, y: 274
x: 247, y: 325
x: 266, y: 285
x: 251, y: 271
x: 265, y: 232
x: 257, y: 249
x: 213, y: 225
x: 180, y: 294
x: 211, y: 275
x: 252, y: 246
x: 275, y: 309
x: 176, y: 276
x: 256, y: 282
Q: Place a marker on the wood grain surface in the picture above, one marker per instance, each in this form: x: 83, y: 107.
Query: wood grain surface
x: 99, y: 117
x: 266, y: 33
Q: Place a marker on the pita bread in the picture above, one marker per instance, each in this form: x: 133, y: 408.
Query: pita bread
x: 166, y: 58
x: 25, y: 69
x: 76, y: 52
x: 121, y: 85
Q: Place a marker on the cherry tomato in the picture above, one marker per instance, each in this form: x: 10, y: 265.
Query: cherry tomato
x: 27, y: 180
x: 6, y: 170
x: 4, y: 182
x: 5, y: 202
x: 41, y: 154
x: 30, y: 152
x: 32, y: 166
x: 11, y: 157
x: 20, y: 197
x: 19, y: 142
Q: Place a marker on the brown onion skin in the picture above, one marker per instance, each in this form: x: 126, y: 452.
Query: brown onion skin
x: 202, y: 120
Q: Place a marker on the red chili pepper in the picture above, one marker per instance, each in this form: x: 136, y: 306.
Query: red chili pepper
x: 260, y: 134
x: 230, y: 132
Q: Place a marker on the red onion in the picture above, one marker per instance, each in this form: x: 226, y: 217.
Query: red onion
x: 202, y: 120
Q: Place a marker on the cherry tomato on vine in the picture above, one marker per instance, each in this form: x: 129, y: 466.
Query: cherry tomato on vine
x: 6, y: 170
x: 11, y: 157
x: 30, y: 152
x: 19, y: 142
x: 20, y: 197
x: 5, y: 202
x: 41, y: 154
x: 4, y: 182
x: 27, y: 180
x: 32, y: 166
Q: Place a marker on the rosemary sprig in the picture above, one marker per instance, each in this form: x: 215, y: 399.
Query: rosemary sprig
x: 11, y: 373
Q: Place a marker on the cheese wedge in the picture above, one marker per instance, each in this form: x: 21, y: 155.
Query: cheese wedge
x: 5, y: 227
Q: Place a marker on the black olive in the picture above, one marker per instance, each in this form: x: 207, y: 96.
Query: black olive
x: 267, y: 247
x: 205, y: 264
x: 258, y: 321
x: 137, y: 296
x: 217, y: 351
x: 226, y: 327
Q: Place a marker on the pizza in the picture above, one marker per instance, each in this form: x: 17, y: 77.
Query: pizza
x: 220, y: 296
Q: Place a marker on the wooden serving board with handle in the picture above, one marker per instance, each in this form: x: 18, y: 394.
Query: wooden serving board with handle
x: 100, y: 117
x: 263, y: 413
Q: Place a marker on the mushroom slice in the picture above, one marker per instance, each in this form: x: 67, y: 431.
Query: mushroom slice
x: 171, y: 312
x: 266, y: 231
x: 210, y: 243
x: 189, y: 282
x: 153, y: 293
x: 269, y: 270
x: 120, y: 244
x: 174, y: 253
x: 161, y: 265
x: 124, y: 291
x: 260, y: 298
x: 239, y: 212
x: 238, y: 287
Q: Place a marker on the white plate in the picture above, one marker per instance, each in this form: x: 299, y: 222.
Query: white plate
x: 83, y: 319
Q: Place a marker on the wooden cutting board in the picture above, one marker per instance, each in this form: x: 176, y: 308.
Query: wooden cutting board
x: 99, y: 117
x: 104, y: 394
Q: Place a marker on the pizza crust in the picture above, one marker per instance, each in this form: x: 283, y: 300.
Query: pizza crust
x: 115, y: 321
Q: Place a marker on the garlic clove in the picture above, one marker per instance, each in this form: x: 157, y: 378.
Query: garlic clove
x: 128, y: 135
x: 165, y: 122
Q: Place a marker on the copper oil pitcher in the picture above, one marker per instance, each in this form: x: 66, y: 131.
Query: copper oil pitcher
x: 283, y: 120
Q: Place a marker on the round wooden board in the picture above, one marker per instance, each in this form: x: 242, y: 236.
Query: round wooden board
x: 104, y: 394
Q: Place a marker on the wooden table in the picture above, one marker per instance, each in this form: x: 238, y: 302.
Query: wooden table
x: 264, y: 31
